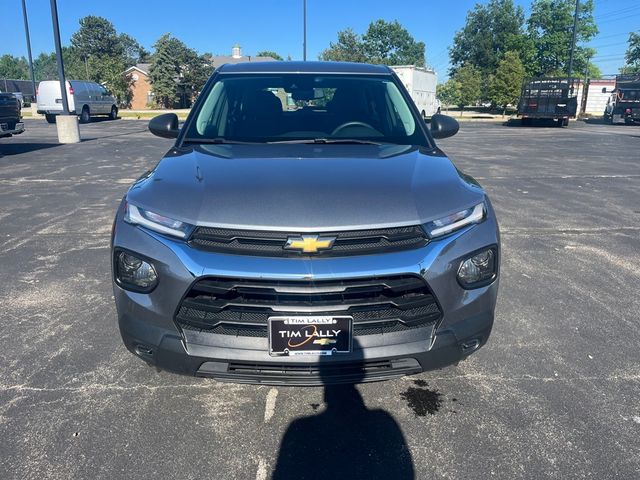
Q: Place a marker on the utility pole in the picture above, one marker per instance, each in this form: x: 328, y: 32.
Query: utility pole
x: 26, y: 31
x: 304, y: 21
x: 56, y: 40
x: 67, y: 124
x: 573, y: 40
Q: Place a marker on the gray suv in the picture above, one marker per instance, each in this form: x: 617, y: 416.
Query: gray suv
x: 304, y: 229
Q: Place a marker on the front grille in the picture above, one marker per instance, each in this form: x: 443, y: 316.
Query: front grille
x: 241, y: 307
x: 271, y: 244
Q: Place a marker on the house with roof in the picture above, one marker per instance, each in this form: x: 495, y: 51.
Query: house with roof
x: 142, y: 91
x: 140, y: 86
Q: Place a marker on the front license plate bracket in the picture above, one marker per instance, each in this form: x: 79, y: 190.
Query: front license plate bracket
x: 310, y: 335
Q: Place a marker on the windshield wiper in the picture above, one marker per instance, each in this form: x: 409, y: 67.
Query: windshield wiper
x: 217, y: 140
x: 343, y: 141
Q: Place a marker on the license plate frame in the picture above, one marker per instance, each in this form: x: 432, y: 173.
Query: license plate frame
x: 312, y: 335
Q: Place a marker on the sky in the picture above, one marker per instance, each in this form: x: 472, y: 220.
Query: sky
x: 215, y: 26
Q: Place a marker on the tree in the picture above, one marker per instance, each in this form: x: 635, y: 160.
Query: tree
x: 175, y: 65
x: 550, y: 27
x: 196, y: 70
x: 490, y: 31
x: 448, y: 93
x: 348, y: 48
x: 391, y: 44
x: 16, y: 68
x: 97, y: 37
x: 632, y: 56
x: 165, y: 69
x: 133, y: 52
x: 388, y: 43
x: 506, y: 84
x: 99, y: 54
x: 45, y: 67
x: 469, y: 82
x: 269, y: 53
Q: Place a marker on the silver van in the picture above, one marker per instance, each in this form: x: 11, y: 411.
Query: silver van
x: 86, y: 99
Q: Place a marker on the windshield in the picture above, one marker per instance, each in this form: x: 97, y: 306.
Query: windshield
x: 292, y: 108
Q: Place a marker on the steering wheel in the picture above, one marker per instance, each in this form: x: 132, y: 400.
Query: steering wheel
x: 347, y: 125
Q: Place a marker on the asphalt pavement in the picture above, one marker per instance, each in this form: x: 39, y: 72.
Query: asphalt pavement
x: 554, y: 394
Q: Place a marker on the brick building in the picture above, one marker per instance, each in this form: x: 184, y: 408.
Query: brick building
x: 140, y: 86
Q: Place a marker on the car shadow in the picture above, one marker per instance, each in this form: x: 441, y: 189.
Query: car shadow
x: 536, y: 123
x: 18, y: 148
x: 345, y: 440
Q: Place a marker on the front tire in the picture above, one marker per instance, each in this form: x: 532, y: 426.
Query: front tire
x: 50, y: 118
x: 114, y: 113
x: 85, y: 115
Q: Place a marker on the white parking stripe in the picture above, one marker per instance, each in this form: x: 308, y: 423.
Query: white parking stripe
x: 261, y: 474
x: 270, y: 405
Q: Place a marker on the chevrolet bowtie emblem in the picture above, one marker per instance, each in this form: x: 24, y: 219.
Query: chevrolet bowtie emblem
x: 309, y: 243
x: 324, y: 341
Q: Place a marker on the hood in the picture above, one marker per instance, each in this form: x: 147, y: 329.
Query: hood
x: 305, y: 187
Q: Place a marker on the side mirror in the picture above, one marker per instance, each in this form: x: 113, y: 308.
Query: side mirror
x: 165, y: 125
x: 604, y: 89
x: 443, y: 126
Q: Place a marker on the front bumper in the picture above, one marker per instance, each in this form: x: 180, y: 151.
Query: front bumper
x: 8, y: 128
x: 148, y: 329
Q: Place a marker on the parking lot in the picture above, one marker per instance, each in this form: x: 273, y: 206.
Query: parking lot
x: 555, y: 393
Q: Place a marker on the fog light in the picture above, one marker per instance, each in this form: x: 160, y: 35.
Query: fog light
x: 478, y: 270
x: 133, y: 273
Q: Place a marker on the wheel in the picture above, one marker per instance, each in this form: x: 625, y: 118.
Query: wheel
x: 565, y: 122
x: 114, y: 113
x: 50, y: 118
x: 85, y: 116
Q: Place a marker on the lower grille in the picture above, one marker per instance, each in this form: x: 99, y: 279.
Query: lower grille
x: 242, y: 307
x: 313, y: 374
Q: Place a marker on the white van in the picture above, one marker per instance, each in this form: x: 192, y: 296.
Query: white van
x: 86, y: 99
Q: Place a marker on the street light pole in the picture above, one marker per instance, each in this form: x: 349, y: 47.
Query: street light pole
x: 26, y: 31
x: 573, y: 40
x: 66, y: 124
x: 304, y: 21
x: 56, y: 39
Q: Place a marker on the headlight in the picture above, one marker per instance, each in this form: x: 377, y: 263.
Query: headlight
x: 479, y: 269
x: 456, y: 221
x: 157, y: 222
x: 134, y: 273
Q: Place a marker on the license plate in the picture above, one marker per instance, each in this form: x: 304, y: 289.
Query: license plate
x: 320, y: 335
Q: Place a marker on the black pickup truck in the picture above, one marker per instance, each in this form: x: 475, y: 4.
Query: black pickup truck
x: 10, y: 116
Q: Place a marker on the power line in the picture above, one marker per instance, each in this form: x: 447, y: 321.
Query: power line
x: 612, y: 36
x: 607, y: 45
x: 615, y: 13
x: 624, y: 17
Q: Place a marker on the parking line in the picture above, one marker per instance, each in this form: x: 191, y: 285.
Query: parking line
x: 261, y: 474
x: 270, y: 405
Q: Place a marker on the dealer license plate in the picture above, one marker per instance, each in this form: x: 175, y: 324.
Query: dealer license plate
x: 309, y: 335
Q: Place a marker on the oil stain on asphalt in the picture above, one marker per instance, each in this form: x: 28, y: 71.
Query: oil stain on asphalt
x: 421, y: 399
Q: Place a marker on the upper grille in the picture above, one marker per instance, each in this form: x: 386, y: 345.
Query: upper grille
x: 228, y: 306
x: 271, y: 243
